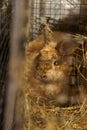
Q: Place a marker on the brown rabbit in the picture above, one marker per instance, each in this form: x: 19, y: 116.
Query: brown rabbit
x: 48, y: 66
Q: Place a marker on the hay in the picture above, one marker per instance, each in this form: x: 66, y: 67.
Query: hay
x: 44, y: 117
x: 81, y: 54
x: 57, y: 118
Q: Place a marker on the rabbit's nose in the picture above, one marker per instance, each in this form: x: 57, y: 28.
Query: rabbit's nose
x: 43, y: 76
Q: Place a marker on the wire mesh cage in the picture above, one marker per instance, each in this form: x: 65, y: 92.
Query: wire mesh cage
x: 62, y: 15
x: 32, y: 111
x: 4, y: 54
x: 57, y: 10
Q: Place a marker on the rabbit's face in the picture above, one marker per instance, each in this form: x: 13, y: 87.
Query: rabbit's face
x: 52, y: 62
x: 50, y: 66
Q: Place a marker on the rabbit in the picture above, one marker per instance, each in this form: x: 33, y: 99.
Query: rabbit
x: 49, y: 65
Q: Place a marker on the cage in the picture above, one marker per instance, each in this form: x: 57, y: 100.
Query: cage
x: 28, y: 111
x: 4, y: 53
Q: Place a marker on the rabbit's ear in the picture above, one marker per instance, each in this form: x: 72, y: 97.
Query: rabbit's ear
x: 49, y: 38
x: 68, y: 44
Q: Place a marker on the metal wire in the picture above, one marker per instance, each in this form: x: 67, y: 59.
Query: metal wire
x: 4, y: 57
x: 56, y: 9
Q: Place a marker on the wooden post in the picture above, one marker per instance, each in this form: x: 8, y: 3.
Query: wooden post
x: 15, y: 56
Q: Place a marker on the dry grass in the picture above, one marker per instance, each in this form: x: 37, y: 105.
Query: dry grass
x: 81, y: 55
x: 55, y: 118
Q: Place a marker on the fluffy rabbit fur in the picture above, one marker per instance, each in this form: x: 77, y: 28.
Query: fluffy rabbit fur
x: 49, y: 64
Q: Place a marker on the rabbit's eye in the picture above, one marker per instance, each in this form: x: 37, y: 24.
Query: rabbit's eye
x: 56, y: 62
